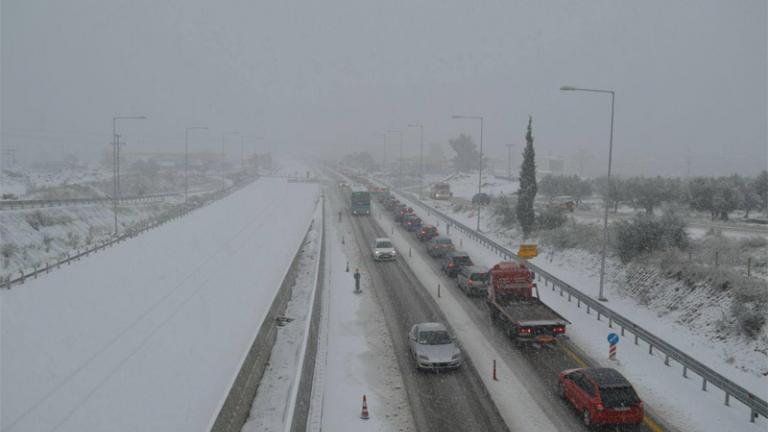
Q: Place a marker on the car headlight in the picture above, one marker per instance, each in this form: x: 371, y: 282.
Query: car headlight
x: 456, y: 356
x: 423, y: 357
x: 377, y: 252
x: 394, y: 252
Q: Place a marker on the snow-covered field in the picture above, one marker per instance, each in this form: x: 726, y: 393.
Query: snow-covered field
x: 150, y: 334
x: 663, y: 387
x: 464, y: 185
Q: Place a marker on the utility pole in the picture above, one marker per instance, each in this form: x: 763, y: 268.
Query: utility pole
x: 116, y: 162
x: 509, y: 161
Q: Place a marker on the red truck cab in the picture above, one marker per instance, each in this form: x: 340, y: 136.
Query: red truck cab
x: 515, y: 308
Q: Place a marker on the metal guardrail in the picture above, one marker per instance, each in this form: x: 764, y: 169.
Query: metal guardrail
x: 131, y: 232
x: 29, y: 204
x: 756, y: 405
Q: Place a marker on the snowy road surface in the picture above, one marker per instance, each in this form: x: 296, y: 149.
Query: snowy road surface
x: 359, y: 358
x: 452, y: 401
x: 149, y: 335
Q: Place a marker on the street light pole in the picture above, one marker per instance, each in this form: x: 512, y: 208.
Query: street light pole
x: 509, y: 161
x: 186, y: 158
x: 601, y: 295
x: 116, y: 162
x: 421, y: 158
x: 480, y: 175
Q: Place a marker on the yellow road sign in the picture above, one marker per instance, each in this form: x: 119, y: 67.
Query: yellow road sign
x: 528, y: 251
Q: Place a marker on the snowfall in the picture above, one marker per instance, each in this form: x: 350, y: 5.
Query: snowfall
x: 677, y: 400
x: 150, y: 334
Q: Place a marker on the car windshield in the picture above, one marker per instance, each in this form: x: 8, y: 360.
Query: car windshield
x: 435, y: 337
x: 479, y: 277
x: 463, y: 260
x: 443, y: 241
x: 383, y: 245
x: 614, y: 397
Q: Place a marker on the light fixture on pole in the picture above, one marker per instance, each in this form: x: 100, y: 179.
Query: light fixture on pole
x: 186, y: 158
x: 116, y: 162
x: 601, y: 295
x: 480, y: 174
x: 421, y: 158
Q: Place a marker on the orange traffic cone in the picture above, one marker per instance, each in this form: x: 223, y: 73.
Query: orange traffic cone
x: 364, y: 414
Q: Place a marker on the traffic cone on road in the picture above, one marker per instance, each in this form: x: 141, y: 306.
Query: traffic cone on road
x: 364, y: 414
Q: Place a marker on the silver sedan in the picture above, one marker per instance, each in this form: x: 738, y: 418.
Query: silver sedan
x: 433, y: 348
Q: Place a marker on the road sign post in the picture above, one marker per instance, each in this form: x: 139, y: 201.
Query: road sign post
x: 613, y: 340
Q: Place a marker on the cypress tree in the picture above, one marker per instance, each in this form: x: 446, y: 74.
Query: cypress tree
x: 527, y: 191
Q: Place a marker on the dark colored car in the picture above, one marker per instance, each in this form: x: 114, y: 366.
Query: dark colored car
x: 402, y: 211
x: 411, y: 222
x: 601, y: 396
x: 439, y: 246
x: 427, y: 232
x: 473, y: 280
x: 454, y: 261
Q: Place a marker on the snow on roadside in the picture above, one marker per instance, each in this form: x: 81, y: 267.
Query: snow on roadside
x: 743, y: 362
x: 359, y: 357
x: 662, y: 387
x: 149, y: 334
x: 269, y: 409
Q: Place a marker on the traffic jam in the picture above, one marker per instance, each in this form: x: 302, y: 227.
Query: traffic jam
x: 599, y: 396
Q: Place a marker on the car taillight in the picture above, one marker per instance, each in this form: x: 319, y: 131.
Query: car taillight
x: 559, y: 329
x: 600, y: 407
x: 451, y: 265
x: 525, y: 330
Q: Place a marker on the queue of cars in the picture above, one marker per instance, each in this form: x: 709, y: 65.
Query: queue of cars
x: 601, y: 396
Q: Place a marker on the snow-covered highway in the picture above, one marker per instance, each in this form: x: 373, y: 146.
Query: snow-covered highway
x: 149, y: 335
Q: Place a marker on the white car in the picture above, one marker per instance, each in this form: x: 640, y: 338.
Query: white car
x: 433, y: 348
x: 383, y: 249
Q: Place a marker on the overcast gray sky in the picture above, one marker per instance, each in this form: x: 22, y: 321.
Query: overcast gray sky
x: 690, y: 76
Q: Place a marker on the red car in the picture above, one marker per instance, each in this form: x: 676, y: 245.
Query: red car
x: 427, y: 232
x: 602, y: 396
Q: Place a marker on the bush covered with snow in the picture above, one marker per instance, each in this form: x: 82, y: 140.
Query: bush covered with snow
x: 550, y: 218
x: 503, y: 209
x: 647, y: 233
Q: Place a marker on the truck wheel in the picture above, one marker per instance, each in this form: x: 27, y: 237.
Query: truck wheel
x: 561, y: 390
x: 587, y: 419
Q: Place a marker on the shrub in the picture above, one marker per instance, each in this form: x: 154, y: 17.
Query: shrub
x: 504, y: 209
x: 570, y: 236
x: 646, y: 233
x: 550, y: 219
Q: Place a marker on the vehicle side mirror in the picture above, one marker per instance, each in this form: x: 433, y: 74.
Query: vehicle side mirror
x: 533, y: 276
